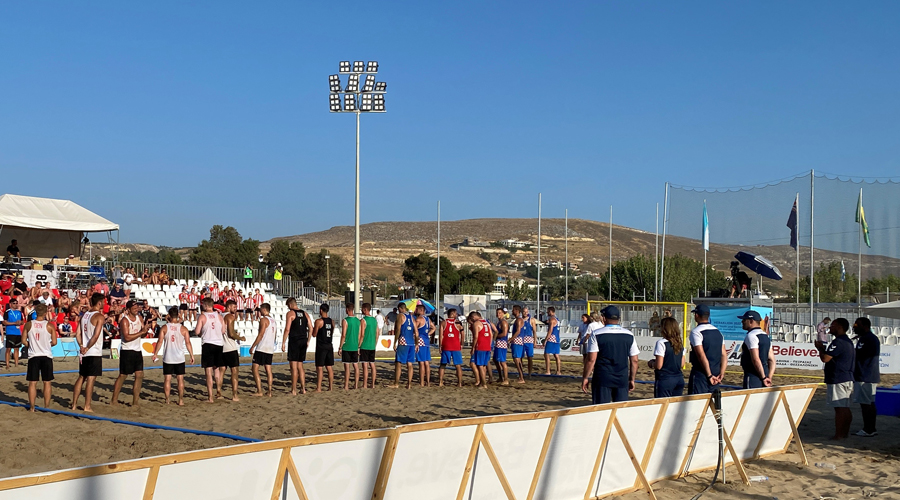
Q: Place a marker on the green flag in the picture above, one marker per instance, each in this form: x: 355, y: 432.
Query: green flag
x: 861, y: 219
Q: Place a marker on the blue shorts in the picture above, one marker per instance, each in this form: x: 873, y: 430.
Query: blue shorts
x: 500, y: 355
x: 551, y: 348
x: 751, y: 381
x: 601, y: 395
x: 405, y: 354
x: 517, y: 351
x: 529, y: 350
x: 481, y: 358
x: 699, y: 384
x: 668, y: 387
x: 454, y: 357
x: 423, y: 354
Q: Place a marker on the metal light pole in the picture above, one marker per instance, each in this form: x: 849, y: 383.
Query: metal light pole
x: 567, y: 266
x: 437, y: 290
x: 328, y: 274
x: 537, y: 309
x: 367, y: 99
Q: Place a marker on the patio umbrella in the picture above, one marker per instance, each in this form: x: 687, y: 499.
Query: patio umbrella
x: 759, y: 265
x: 412, y: 303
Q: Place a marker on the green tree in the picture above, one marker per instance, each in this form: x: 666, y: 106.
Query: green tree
x: 292, y: 257
x: 517, y: 291
x: 420, y: 271
x: 163, y: 256
x: 546, y: 272
x: 829, y: 287
x: 226, y: 248
x: 880, y: 285
x: 483, y: 276
x: 315, y: 272
x: 683, y: 277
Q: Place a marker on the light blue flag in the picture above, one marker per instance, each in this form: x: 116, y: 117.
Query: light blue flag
x: 705, y: 229
x: 843, y: 271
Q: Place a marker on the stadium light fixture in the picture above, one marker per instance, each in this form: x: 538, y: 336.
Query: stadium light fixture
x: 370, y: 100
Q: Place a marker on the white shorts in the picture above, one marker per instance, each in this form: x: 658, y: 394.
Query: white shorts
x: 864, y: 393
x: 838, y: 395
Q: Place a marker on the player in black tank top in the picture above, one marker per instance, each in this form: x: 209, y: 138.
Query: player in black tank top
x: 297, y: 338
x: 323, y: 331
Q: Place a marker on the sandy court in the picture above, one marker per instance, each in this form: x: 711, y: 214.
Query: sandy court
x: 44, y: 442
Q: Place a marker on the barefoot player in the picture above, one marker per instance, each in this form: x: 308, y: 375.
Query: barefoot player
x: 296, y: 333
x: 263, y: 348
x: 230, y: 348
x: 323, y: 331
x: 501, y: 344
x: 425, y: 328
x: 517, y: 345
x: 481, y: 348
x: 90, y: 337
x: 405, y: 339
x: 368, y: 344
x: 351, y: 328
x: 39, y: 338
x: 131, y: 360
x: 551, y: 341
x: 451, y: 349
x: 528, y: 329
x: 176, y: 338
x: 211, y: 332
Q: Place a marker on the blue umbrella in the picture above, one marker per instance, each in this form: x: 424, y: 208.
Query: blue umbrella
x: 759, y: 265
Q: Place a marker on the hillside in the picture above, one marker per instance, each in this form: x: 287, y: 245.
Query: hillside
x: 386, y: 244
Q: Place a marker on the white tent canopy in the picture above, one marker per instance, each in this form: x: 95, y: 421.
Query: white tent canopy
x: 208, y: 276
x: 886, y: 310
x: 46, y: 227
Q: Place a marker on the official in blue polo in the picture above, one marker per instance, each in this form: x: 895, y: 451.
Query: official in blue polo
x: 757, y: 358
x: 866, y: 374
x: 840, y: 359
x: 613, y: 356
x: 708, y: 356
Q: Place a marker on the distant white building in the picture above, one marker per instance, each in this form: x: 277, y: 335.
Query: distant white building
x: 513, y: 243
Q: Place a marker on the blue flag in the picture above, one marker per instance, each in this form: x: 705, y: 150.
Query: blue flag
x: 705, y: 229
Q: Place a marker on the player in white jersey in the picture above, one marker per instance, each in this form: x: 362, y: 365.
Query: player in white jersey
x: 131, y: 359
x: 211, y: 331
x: 230, y: 353
x: 263, y: 348
x: 176, y: 338
x: 39, y: 338
x: 90, y: 337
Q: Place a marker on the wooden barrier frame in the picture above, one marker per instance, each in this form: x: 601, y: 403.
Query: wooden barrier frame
x: 287, y: 469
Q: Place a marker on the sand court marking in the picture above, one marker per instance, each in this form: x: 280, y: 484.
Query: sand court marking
x: 576, y: 453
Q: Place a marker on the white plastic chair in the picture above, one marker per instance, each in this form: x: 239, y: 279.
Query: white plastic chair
x: 892, y: 340
x: 797, y: 329
x: 897, y: 331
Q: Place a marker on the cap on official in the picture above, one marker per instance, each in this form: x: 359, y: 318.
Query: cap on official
x: 752, y: 315
x: 701, y: 310
x: 611, y: 312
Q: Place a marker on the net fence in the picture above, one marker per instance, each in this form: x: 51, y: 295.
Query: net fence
x: 643, y: 318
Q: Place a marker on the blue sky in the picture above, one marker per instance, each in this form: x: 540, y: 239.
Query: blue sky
x: 168, y: 118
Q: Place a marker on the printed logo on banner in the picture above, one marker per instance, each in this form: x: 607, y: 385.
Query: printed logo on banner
x: 566, y: 344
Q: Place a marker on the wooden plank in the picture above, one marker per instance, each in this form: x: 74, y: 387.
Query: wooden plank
x: 736, y: 459
x: 543, y: 456
x: 150, y: 487
x: 280, y: 473
x: 384, y: 469
x: 473, y: 452
x: 634, y: 461
x: 796, y: 433
x: 800, y: 416
x: 295, y: 479
x: 765, y: 431
x: 690, y: 449
x: 737, y: 420
x: 653, y: 435
x: 497, y: 468
x: 603, y: 443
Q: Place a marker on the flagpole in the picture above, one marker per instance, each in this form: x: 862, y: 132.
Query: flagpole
x: 537, y: 310
x: 859, y: 215
x: 812, y: 247
x: 662, y: 257
x: 705, y: 244
x: 610, y: 253
x: 437, y: 291
x: 656, y: 260
x: 567, y: 266
x: 797, y: 225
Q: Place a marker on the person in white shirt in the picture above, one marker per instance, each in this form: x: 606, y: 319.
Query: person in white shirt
x: 39, y: 338
x: 90, y: 337
x: 614, y: 354
x: 131, y: 359
x: 176, y: 338
x: 379, y: 318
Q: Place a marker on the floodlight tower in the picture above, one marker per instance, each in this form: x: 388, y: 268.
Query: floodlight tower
x: 352, y: 99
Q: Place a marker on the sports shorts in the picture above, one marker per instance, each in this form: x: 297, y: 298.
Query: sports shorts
x: 481, y: 358
x: 423, y: 355
x: 864, y: 393
x: 551, y: 348
x: 231, y: 359
x: 349, y: 356
x: 211, y: 356
x: 173, y: 369
x: 838, y: 395
x: 39, y: 368
x: 405, y: 354
x: 262, y: 358
x: 448, y: 357
x: 602, y: 395
x: 325, y: 357
x: 91, y: 366
x: 500, y: 355
x: 367, y: 355
x: 130, y: 362
x: 297, y: 349
x: 517, y: 351
x: 13, y: 341
x: 529, y: 350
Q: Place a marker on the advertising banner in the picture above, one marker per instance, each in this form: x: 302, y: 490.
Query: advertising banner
x: 726, y: 320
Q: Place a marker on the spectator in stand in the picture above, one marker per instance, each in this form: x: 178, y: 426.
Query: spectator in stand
x: 193, y: 304
x: 46, y: 299
x: 379, y: 319
x: 257, y: 302
x: 102, y: 288
x: 214, y: 293
x: 20, y: 285
x: 13, y: 250
x: 150, y: 316
x: 822, y: 332
x: 68, y: 322
x: 13, y: 319
x: 241, y: 303
x: 145, y: 277
x: 6, y: 283
x: 127, y: 279
x: 117, y: 272
x: 164, y: 277
x: 839, y: 358
x: 866, y: 374
x: 117, y: 295
x: 183, y: 300
x: 154, y: 277
x: 248, y: 276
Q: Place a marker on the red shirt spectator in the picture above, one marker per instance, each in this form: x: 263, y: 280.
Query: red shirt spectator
x: 5, y: 284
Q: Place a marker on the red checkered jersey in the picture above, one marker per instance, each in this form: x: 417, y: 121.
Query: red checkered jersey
x: 450, y: 337
x: 483, y: 340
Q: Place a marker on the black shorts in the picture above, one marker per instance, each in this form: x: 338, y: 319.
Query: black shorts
x: 173, y: 369
x: 91, y: 366
x: 262, y: 358
x: 297, y: 349
x: 13, y: 341
x: 367, y: 355
x: 349, y: 356
x: 325, y: 357
x: 182, y: 307
x: 211, y: 356
x: 248, y: 311
x: 40, y: 368
x: 231, y: 359
x: 130, y: 362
